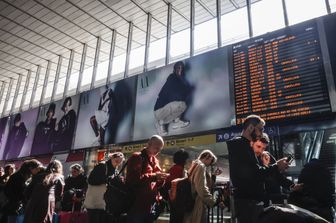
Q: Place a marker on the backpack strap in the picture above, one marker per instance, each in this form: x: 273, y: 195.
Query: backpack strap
x: 122, y: 168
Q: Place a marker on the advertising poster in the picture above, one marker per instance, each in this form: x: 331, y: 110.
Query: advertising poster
x: 106, y: 114
x: 187, y: 96
x: 4, y: 126
x: 56, y: 126
x: 20, y: 135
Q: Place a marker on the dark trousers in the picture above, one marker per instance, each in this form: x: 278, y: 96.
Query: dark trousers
x: 247, y: 211
x: 176, y: 214
x: 96, y: 215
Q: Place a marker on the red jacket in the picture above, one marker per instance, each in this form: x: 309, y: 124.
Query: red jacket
x: 141, y: 178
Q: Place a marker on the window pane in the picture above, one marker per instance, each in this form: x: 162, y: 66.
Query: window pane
x: 270, y: 11
x: 180, y: 44
x: 50, y: 83
x: 103, y: 62
x: 180, y: 40
x: 234, y: 26
x: 61, y: 80
x: 74, y: 73
x: 88, y: 68
x: 137, y: 55
x: 157, y: 47
x: 206, y: 36
x: 302, y: 10
x: 119, y: 60
x: 30, y: 89
x: 39, y: 86
x: 332, y: 5
x: 157, y: 53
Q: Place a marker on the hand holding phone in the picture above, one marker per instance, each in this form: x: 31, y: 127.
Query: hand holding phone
x: 289, y: 159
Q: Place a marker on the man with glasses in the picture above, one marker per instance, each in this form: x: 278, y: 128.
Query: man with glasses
x: 246, y: 174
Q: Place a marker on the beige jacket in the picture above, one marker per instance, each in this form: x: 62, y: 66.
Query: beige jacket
x: 202, y: 192
x: 95, y: 197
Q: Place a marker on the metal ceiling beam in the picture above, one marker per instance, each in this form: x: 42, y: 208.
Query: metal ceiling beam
x: 27, y: 61
x: 13, y: 72
x: 206, y: 8
x: 192, y: 27
x: 284, y: 8
x: 101, y: 22
x: 9, y: 91
x: 15, y: 65
x: 58, y: 71
x: 45, y: 84
x: 37, y: 78
x: 328, y: 6
x: 111, y: 56
x: 33, y: 31
x: 81, y: 68
x: 168, y: 39
x: 234, y: 3
x: 140, y: 7
x: 67, y: 79
x: 26, y: 51
x: 32, y: 43
x: 107, y: 6
x: 65, y: 18
x: 148, y: 35
x: 249, y: 17
x: 17, y: 89
x: 177, y: 11
x: 71, y: 37
x: 95, y: 63
x: 219, y: 22
x: 3, y: 85
x: 129, y: 47
x: 25, y: 90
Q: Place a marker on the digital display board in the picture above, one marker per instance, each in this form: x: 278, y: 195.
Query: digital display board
x: 280, y: 75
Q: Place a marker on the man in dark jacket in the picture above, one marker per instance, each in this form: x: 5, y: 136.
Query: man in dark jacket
x: 173, y: 101
x: 247, y: 176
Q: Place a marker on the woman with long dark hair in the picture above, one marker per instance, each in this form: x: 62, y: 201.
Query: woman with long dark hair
x: 47, y: 190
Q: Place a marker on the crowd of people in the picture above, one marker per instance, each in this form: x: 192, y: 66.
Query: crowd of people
x: 38, y: 192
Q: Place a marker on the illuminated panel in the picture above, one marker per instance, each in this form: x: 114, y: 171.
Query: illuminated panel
x: 280, y: 75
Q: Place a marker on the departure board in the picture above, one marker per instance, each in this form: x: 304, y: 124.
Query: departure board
x: 280, y: 75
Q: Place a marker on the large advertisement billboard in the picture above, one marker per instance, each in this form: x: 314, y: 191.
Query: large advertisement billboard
x: 106, y: 114
x: 56, y: 126
x: 184, y: 97
x: 20, y: 135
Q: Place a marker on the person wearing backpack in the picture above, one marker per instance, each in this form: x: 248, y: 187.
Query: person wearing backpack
x: 144, y: 177
x: 176, y: 171
x: 201, y: 184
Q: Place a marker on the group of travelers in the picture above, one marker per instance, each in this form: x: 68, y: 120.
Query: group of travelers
x: 37, y: 192
x: 257, y: 182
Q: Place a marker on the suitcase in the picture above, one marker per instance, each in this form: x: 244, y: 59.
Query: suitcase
x: 73, y: 216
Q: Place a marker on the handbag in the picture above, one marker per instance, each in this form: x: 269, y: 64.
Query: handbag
x: 118, y: 197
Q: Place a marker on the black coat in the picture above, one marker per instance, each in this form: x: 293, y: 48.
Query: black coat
x: 247, y: 176
x: 41, y: 204
x: 14, y: 191
x: 176, y: 88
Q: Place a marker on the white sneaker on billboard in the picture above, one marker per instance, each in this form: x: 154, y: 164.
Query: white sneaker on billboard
x: 178, y: 123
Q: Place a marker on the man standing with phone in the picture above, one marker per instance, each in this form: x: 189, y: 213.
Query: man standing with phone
x: 246, y: 174
x: 144, y: 176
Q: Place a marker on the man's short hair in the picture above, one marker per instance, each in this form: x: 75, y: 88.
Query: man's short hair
x: 264, y: 139
x: 252, y: 120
